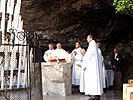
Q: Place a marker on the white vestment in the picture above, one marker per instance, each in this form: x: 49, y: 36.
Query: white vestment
x: 92, y: 74
x: 102, y: 68
x: 109, y: 74
x: 82, y: 79
x: 76, y: 69
x: 60, y: 53
x: 47, y: 54
x: 104, y: 75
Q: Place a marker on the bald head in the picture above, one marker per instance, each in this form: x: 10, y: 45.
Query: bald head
x: 58, y: 46
x: 82, y: 51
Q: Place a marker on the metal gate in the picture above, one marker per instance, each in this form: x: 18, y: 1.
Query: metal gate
x: 20, y: 74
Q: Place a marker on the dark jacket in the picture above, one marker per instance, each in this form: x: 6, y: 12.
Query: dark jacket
x: 117, y: 62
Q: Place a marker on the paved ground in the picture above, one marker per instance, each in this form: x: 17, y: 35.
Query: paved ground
x: 108, y: 95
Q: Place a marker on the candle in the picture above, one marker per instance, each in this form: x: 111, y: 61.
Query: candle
x: 19, y: 67
x: 13, y: 65
x: 2, y: 10
x: 30, y: 64
x: 6, y: 55
x: 10, y: 6
x: 22, y: 25
x: 17, y: 13
x: 24, y: 66
x: 0, y: 5
x: 19, y: 24
x: 3, y: 5
x: 2, y: 77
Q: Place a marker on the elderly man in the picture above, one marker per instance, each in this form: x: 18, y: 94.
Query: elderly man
x: 77, y: 57
x: 59, y: 52
x: 82, y: 81
x: 48, y: 53
x: 92, y: 71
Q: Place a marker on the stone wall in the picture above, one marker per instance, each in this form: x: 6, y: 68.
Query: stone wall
x: 70, y: 21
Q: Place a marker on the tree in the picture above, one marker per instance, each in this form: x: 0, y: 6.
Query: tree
x: 124, y: 6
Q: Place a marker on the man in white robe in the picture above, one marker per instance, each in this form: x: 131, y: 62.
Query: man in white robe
x: 48, y: 53
x: 82, y: 81
x: 101, y: 64
x: 76, y: 60
x: 59, y: 53
x: 92, y: 71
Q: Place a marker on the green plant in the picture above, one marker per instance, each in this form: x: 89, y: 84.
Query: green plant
x: 123, y: 5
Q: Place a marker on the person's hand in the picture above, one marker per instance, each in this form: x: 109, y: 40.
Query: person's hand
x: 114, y: 66
x: 79, y: 65
x: 46, y: 54
x: 75, y: 52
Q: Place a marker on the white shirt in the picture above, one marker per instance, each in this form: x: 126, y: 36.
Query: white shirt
x: 116, y: 55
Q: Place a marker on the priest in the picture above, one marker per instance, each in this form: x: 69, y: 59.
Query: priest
x: 76, y: 55
x: 82, y: 81
x: 59, y: 52
x: 92, y: 77
x: 101, y: 64
x: 48, y: 53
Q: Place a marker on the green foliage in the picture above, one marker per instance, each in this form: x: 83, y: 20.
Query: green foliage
x: 123, y: 5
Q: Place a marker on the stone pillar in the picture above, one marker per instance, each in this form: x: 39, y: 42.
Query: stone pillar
x: 56, y: 79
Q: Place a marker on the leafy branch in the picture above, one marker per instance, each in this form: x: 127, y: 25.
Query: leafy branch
x: 124, y: 6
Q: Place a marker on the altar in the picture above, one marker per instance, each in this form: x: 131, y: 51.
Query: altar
x: 56, y: 78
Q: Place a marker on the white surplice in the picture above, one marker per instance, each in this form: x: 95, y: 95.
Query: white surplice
x: 47, y: 54
x: 92, y: 70
x: 60, y: 53
x: 102, y: 68
x: 77, y: 59
x: 82, y: 79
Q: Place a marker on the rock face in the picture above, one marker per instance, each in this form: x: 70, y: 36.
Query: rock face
x: 56, y: 79
x: 68, y: 21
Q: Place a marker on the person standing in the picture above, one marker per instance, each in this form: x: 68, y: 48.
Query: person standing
x: 59, y: 53
x: 76, y: 56
x: 82, y: 81
x: 48, y: 53
x: 116, y: 62
x: 92, y: 77
x: 102, y: 67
